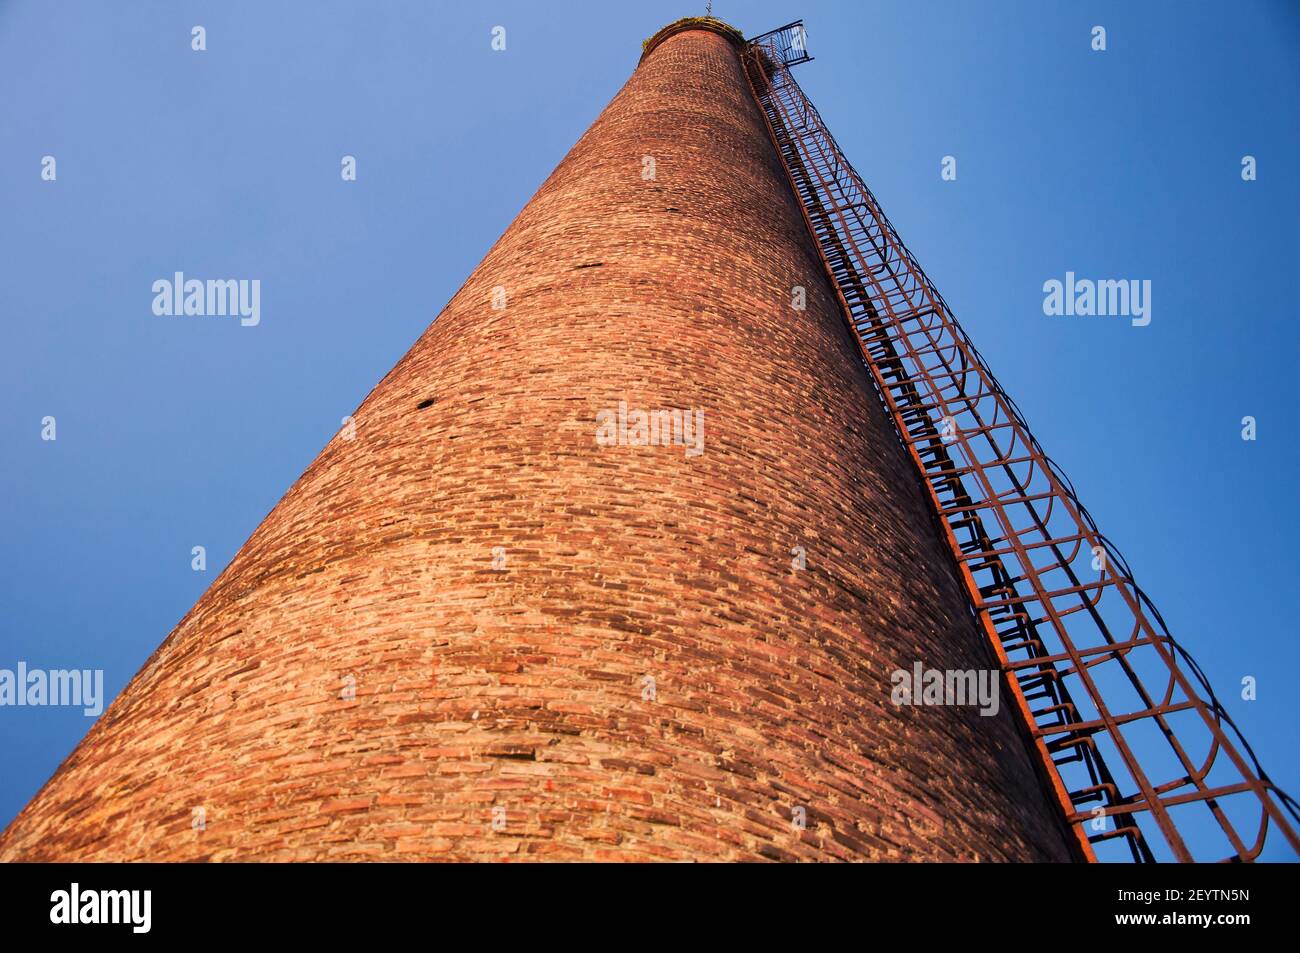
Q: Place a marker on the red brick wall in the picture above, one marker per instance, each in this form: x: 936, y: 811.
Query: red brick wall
x: 522, y: 690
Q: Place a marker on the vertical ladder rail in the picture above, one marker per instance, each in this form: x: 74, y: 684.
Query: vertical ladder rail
x: 1086, y: 657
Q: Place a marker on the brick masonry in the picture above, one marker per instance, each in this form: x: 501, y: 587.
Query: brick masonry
x: 505, y: 713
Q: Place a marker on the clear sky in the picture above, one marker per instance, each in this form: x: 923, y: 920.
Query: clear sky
x: 226, y: 163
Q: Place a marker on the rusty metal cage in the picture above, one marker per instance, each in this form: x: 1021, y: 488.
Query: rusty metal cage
x: 1128, y: 735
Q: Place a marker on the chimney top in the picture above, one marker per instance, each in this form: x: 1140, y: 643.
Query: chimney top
x: 712, y: 24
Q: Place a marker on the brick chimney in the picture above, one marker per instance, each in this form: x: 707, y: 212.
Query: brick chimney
x: 494, y: 623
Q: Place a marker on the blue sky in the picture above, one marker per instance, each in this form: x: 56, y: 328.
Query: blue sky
x: 1121, y: 164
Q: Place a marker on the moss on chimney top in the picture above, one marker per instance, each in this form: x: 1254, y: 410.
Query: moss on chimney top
x: 712, y: 24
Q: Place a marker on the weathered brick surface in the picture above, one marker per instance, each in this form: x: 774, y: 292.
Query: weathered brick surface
x: 517, y: 694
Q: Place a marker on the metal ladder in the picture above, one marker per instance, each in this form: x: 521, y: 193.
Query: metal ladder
x: 1078, y: 642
